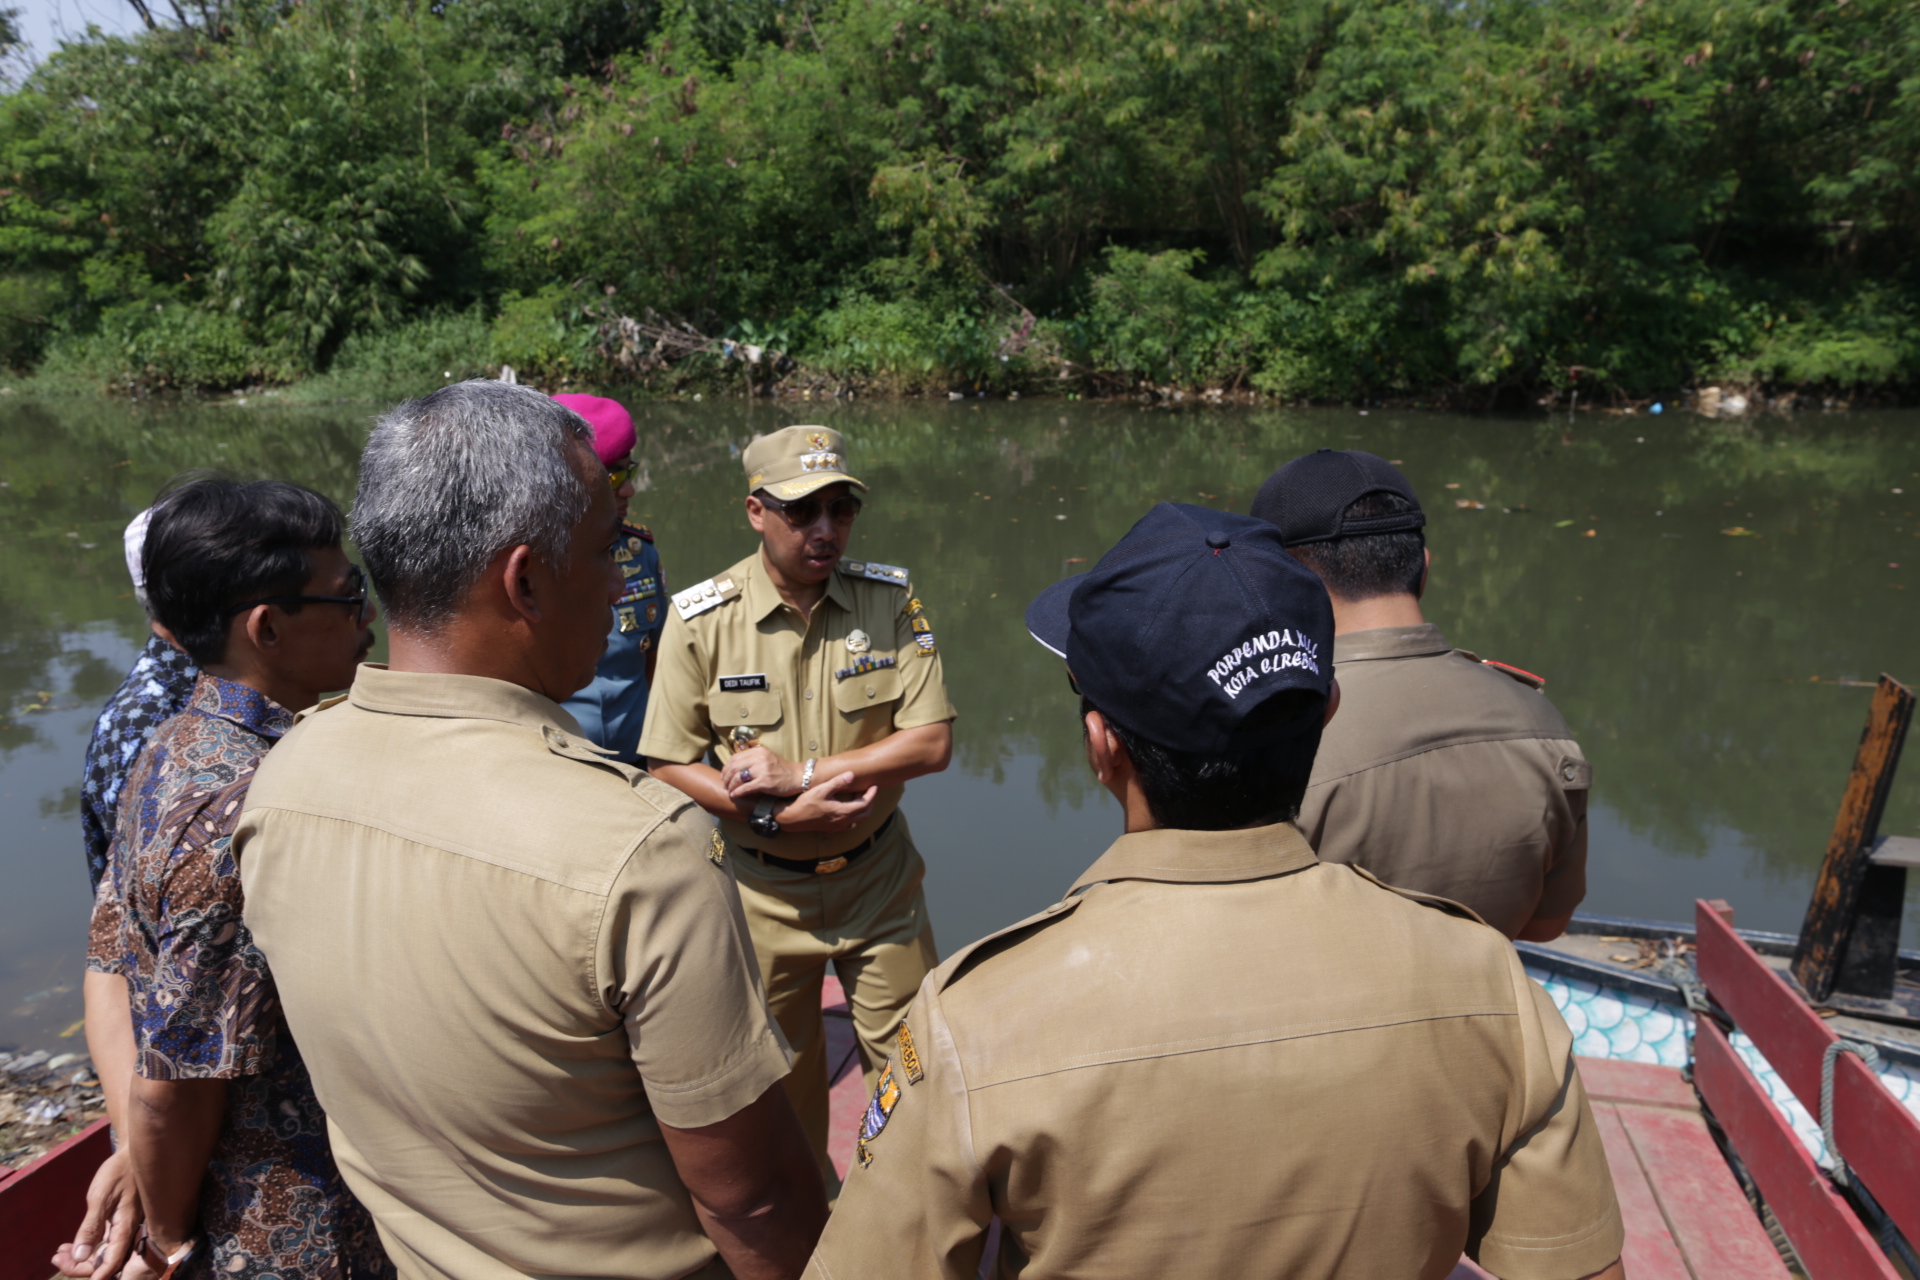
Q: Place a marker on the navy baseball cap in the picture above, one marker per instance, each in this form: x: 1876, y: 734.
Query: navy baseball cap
x: 1307, y: 499
x: 1189, y: 626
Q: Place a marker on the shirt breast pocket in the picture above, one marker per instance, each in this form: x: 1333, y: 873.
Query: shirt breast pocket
x: 855, y: 693
x: 754, y: 708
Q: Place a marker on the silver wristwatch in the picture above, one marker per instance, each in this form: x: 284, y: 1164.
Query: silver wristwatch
x: 806, y: 775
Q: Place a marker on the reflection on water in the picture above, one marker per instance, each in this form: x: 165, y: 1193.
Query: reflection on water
x: 1701, y: 670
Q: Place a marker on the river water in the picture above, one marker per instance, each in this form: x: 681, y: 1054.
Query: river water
x: 1718, y: 681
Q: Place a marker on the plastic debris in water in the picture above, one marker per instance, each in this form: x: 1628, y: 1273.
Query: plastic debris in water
x: 1657, y: 407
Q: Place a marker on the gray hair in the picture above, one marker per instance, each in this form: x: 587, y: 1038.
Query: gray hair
x: 452, y: 479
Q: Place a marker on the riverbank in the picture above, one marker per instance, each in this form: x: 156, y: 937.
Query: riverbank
x: 44, y: 1100
x: 899, y: 355
x: 802, y: 386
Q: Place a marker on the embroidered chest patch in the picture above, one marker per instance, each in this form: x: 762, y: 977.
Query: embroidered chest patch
x: 865, y: 664
x: 909, y: 1056
x: 886, y: 1094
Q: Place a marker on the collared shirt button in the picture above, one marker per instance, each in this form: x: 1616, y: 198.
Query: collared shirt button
x: 1568, y: 772
x: 813, y: 746
x: 869, y: 691
x: 809, y: 695
x: 743, y: 709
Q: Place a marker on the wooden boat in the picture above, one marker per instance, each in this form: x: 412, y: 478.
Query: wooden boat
x: 1758, y: 1093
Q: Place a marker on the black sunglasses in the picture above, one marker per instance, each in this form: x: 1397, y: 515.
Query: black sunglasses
x: 806, y: 511
x: 356, y: 579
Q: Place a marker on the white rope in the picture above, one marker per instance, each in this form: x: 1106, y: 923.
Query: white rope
x: 1867, y: 1054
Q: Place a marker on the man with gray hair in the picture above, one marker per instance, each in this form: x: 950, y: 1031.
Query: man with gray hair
x: 519, y: 968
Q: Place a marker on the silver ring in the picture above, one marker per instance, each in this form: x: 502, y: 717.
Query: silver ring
x: 746, y: 775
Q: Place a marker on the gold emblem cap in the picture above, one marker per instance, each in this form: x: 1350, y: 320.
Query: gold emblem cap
x: 794, y: 461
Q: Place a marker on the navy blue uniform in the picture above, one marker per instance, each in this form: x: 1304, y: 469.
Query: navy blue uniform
x: 613, y: 707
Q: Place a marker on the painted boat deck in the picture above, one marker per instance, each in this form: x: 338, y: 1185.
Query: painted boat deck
x: 846, y: 1083
x: 1686, y: 1217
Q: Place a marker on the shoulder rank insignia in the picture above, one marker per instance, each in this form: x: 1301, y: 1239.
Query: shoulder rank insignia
x: 875, y: 572
x: 886, y: 1094
x: 640, y: 531
x: 865, y: 664
x: 1526, y: 678
x: 699, y: 598
x: 717, y: 850
x: 909, y: 1057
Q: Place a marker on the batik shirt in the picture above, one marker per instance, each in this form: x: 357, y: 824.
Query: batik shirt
x: 167, y: 917
x: 154, y: 691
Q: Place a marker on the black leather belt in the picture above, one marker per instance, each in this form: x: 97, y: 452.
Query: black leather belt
x: 825, y: 866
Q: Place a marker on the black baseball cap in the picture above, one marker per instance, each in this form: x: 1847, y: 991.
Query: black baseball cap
x: 1307, y: 499
x: 1189, y: 626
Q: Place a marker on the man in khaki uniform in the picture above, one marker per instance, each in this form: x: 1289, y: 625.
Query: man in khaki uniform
x: 517, y: 968
x: 1218, y: 1056
x: 1446, y: 773
x: 815, y: 682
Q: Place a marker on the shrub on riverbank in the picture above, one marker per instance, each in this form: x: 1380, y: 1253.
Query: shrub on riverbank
x: 1324, y: 201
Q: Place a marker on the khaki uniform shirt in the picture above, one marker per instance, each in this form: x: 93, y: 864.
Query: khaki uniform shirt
x: 1451, y: 777
x: 1227, y: 1059
x: 507, y: 960
x: 750, y: 661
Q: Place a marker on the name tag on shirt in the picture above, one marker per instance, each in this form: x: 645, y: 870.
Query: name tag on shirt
x: 743, y: 684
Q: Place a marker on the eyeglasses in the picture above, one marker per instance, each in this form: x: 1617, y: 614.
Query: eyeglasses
x: 618, y: 476
x: 356, y: 580
x: 806, y: 511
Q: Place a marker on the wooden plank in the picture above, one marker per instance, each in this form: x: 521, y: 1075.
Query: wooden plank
x: 41, y: 1205
x: 1712, y: 1222
x: 1640, y: 1083
x: 1895, y: 851
x: 1650, y: 1252
x: 1832, y: 1242
x: 1879, y: 1137
x: 1830, y: 914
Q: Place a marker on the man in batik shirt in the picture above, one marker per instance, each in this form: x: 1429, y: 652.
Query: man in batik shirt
x: 222, y: 1134
x: 155, y: 689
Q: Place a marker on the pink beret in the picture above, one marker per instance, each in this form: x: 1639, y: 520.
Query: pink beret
x: 612, y: 424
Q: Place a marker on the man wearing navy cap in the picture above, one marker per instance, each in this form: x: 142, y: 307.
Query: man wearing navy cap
x: 1446, y: 774
x: 1219, y: 1056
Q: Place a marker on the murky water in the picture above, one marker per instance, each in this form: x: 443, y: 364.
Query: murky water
x: 1716, y: 680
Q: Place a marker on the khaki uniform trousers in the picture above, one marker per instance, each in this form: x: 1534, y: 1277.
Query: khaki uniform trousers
x: 871, y: 921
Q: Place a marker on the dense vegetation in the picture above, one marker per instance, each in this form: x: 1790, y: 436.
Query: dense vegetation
x: 1307, y: 198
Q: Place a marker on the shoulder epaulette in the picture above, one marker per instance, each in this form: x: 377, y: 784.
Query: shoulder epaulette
x: 319, y: 706
x: 873, y: 571
x: 702, y: 596
x: 1434, y: 900
x: 639, y: 531
x: 1526, y: 678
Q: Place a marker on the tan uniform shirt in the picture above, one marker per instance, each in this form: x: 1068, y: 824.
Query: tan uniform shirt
x: 1450, y: 777
x: 507, y: 960
x: 1227, y: 1059
x: 750, y: 661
